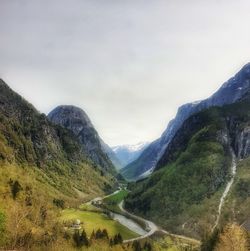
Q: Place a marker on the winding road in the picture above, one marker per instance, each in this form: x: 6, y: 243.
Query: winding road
x: 152, y: 228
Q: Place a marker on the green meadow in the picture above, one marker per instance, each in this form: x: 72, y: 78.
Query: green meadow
x: 93, y: 221
x: 111, y: 202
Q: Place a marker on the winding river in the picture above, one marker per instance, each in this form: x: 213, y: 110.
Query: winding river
x: 129, y: 223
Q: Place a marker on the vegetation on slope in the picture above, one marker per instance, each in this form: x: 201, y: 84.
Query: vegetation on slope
x: 183, y: 194
x: 43, y: 169
x: 238, y: 202
x: 111, y: 202
x: 230, y: 237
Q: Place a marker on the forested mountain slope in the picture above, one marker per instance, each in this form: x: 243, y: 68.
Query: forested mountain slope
x: 183, y: 193
x: 42, y: 168
x: 76, y: 120
x: 230, y: 92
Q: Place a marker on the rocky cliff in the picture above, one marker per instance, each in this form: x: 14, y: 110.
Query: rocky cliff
x: 29, y: 139
x: 192, y: 173
x: 77, y: 121
x: 230, y: 92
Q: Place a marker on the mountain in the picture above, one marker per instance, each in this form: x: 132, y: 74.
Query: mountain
x: 112, y: 155
x: 43, y: 170
x: 229, y: 93
x: 77, y: 121
x: 128, y: 153
x: 184, y: 191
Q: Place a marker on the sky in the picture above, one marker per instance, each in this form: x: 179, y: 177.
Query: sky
x: 129, y: 64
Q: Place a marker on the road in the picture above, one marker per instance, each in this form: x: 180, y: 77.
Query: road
x: 152, y: 228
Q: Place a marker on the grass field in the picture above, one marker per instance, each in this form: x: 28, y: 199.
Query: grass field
x: 93, y: 221
x: 112, y: 201
x: 117, y: 198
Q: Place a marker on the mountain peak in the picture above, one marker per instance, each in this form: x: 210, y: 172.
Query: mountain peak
x: 76, y: 120
x: 71, y: 117
x: 233, y: 90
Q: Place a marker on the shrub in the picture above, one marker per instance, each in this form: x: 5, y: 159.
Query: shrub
x: 15, y: 188
x: 2, y: 226
x: 59, y: 203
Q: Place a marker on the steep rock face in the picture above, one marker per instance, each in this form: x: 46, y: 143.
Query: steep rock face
x: 29, y: 140
x: 240, y: 135
x: 112, y: 155
x: 231, y: 91
x: 30, y: 133
x: 190, y: 177
x: 77, y: 121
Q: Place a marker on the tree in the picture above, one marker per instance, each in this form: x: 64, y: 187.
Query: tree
x: 105, y: 233
x: 98, y: 234
x: 2, y: 222
x: 209, y: 241
x: 80, y: 239
x: 59, y: 203
x: 15, y: 188
x: 136, y: 246
x: 92, y: 235
x: 43, y: 214
x: 233, y: 238
x: 76, y: 238
x: 84, y: 239
x: 111, y: 242
x: 2, y: 226
x: 147, y: 246
x: 118, y: 239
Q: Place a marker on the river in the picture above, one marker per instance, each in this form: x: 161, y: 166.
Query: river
x: 227, y: 189
x: 129, y: 223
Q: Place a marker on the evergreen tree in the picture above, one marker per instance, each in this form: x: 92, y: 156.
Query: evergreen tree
x: 115, y: 240
x: 111, y: 242
x: 76, y: 238
x: 136, y: 246
x: 105, y: 233
x: 119, y: 237
x: 92, y: 237
x: 147, y: 246
x: 98, y: 234
x: 209, y: 241
x: 15, y: 188
x: 84, y: 239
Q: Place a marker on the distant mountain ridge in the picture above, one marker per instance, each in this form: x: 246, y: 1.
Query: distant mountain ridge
x: 231, y: 91
x: 76, y: 120
x: 128, y: 153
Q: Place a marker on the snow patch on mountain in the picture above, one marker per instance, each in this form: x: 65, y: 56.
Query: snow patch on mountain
x: 128, y: 153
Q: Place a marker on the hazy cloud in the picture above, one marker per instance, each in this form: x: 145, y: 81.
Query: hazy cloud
x: 128, y: 64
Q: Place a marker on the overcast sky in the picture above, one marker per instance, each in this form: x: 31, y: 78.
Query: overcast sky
x: 128, y: 63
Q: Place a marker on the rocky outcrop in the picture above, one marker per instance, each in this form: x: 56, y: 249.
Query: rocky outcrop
x: 230, y: 92
x: 240, y: 135
x: 77, y: 121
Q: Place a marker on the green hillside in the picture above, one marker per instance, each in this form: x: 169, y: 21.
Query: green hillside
x: 43, y: 170
x: 183, y: 194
